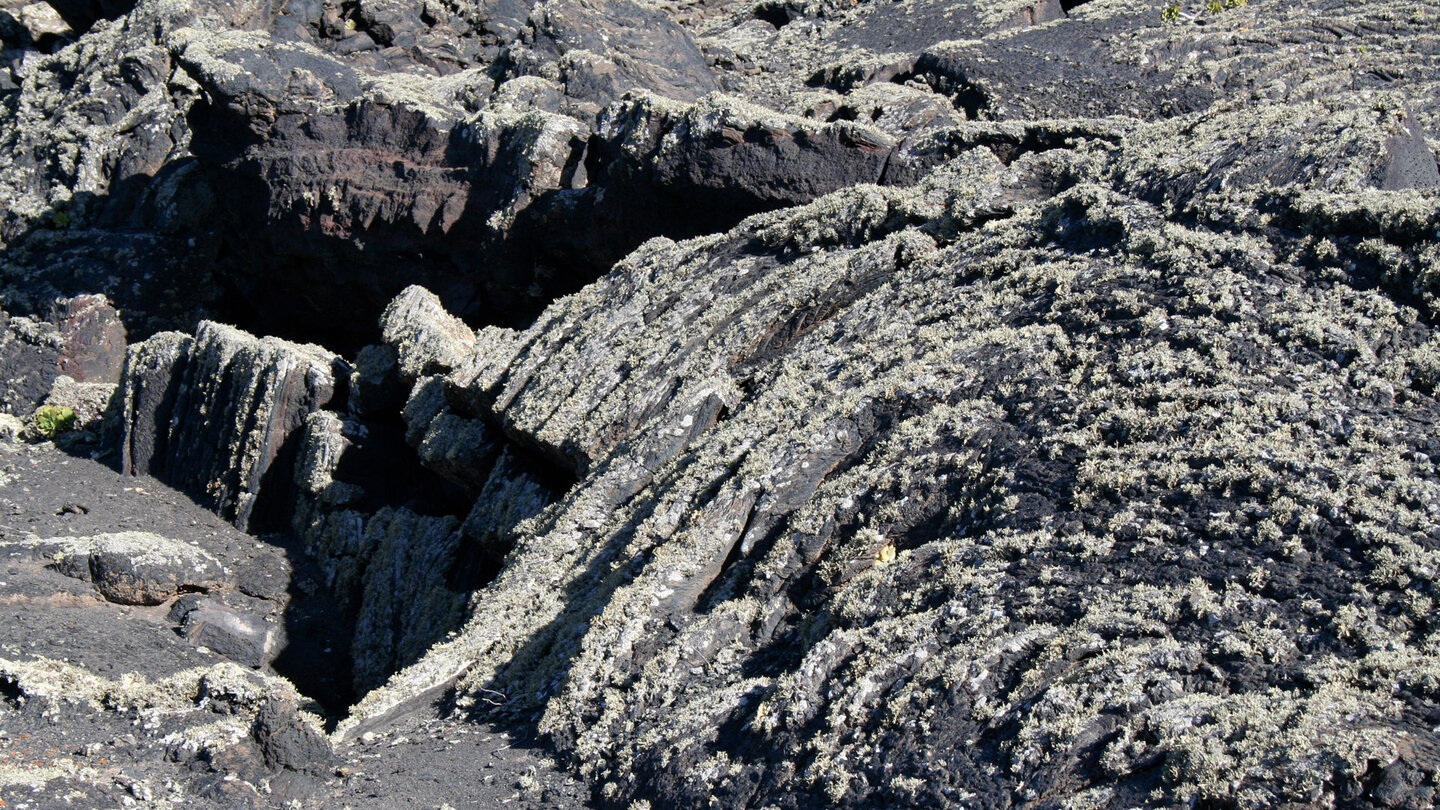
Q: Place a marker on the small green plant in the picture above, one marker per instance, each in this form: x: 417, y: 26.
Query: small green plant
x: 52, y: 420
x: 1174, y: 12
x: 60, y: 220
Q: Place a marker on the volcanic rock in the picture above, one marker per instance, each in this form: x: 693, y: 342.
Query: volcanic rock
x: 217, y: 418
x: 133, y: 568
x: 426, y: 339
x: 892, y: 503
x: 375, y: 386
x: 244, y: 638
x: 92, y: 338
x: 929, y: 403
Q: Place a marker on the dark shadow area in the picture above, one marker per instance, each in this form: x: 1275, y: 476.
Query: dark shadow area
x: 778, y: 13
x: 323, y: 221
x: 316, y: 656
x: 81, y: 15
x: 155, y: 267
x: 10, y: 692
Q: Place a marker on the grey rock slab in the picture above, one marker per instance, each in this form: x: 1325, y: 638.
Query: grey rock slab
x: 426, y: 338
x: 244, y: 638
x: 606, y: 48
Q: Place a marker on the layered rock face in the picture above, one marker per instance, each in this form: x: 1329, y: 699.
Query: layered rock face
x: 1079, y: 505
x: 937, y: 404
x: 215, y: 413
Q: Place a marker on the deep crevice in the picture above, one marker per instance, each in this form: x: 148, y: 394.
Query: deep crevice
x: 778, y: 13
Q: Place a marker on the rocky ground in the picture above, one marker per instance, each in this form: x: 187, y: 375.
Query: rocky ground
x: 934, y: 403
x: 109, y: 703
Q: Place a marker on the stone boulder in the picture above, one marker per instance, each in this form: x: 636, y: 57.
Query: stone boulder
x: 134, y: 568
x: 92, y: 339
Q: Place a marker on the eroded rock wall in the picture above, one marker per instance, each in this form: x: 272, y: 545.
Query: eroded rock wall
x: 219, y: 414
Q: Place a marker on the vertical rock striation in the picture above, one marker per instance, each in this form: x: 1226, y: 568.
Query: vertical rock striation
x: 219, y: 415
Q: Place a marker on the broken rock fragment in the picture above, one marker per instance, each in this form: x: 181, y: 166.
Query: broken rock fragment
x: 426, y: 338
x: 245, y: 638
x: 134, y: 568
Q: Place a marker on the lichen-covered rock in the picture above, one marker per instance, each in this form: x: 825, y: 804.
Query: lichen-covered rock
x: 89, y: 400
x: 426, y: 339
x: 322, y: 445
x: 913, y: 498
x: 461, y: 450
x: 133, y: 568
x: 602, y: 49
x: 215, y: 413
x: 976, y: 403
x: 29, y: 361
x: 210, y: 736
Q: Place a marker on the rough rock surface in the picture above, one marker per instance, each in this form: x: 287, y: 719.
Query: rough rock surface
x: 938, y: 403
x: 80, y: 339
x: 219, y: 413
x: 133, y: 568
x: 110, y: 705
x: 1088, y: 475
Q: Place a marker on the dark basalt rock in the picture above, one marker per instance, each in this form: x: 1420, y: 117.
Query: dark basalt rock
x: 425, y: 339
x: 849, y: 403
x: 244, y: 638
x: 29, y: 361
x: 134, y: 568
x: 92, y: 337
x: 219, y: 414
x: 288, y: 743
